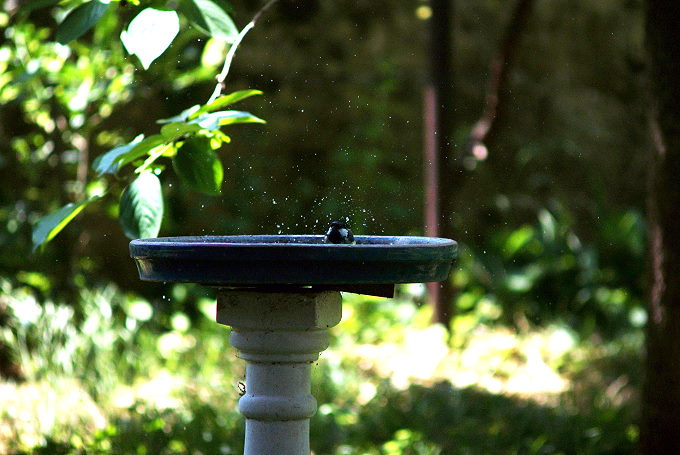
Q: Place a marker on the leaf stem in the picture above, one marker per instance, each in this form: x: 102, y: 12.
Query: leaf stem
x: 154, y: 154
x: 232, y: 50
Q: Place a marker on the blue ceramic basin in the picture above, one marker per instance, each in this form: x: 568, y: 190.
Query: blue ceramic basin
x: 301, y: 260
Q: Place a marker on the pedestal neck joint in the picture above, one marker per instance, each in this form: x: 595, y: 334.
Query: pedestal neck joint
x: 279, y: 335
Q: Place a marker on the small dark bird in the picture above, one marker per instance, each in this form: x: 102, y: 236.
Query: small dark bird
x: 339, y: 233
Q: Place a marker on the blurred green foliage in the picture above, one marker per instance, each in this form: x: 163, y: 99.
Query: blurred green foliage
x: 167, y: 384
x: 542, y: 272
x: 343, y: 137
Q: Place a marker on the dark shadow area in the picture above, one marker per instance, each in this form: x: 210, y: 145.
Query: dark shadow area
x: 447, y: 420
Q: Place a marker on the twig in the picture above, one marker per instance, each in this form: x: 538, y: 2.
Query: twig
x: 499, y: 71
x: 232, y: 50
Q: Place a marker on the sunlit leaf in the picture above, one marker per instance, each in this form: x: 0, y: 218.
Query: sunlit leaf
x: 80, y: 20
x: 198, y: 166
x: 141, y: 149
x: 518, y: 239
x: 50, y: 225
x: 548, y: 225
x: 149, y: 34
x: 175, y: 130
x: 219, y: 135
x: 141, y: 207
x: 108, y: 162
x: 182, y: 116
x: 214, y: 52
x: 217, y: 138
x: 224, y: 101
x: 519, y: 282
x: 211, y: 17
x: 214, y: 120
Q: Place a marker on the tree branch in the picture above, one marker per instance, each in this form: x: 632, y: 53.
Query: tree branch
x: 232, y: 50
x: 499, y: 71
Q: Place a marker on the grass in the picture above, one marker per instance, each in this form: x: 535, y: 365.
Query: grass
x: 129, y: 377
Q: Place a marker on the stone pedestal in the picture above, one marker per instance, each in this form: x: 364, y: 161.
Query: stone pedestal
x: 279, y: 335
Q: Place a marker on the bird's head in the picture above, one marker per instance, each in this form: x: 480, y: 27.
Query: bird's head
x: 339, y: 233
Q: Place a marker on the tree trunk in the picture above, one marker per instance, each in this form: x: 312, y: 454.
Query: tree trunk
x: 660, y: 432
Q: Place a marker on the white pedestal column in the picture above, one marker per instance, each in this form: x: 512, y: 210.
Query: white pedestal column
x: 279, y: 335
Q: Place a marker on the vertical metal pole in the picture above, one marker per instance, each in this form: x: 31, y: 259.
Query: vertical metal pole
x: 432, y: 187
x: 432, y: 207
x: 437, y: 143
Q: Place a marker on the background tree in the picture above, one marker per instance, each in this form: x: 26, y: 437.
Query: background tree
x: 662, y: 389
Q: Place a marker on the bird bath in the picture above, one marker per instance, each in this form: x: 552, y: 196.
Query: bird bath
x: 281, y: 294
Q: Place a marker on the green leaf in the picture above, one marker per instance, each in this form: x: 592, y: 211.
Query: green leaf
x: 108, y: 162
x: 198, y: 166
x: 80, y: 20
x: 175, y: 130
x: 182, y: 116
x: 210, y: 16
x: 37, y: 4
x: 141, y: 207
x: 214, y: 120
x: 224, y: 101
x: 149, y: 34
x: 50, y: 225
x: 518, y: 239
x: 141, y: 149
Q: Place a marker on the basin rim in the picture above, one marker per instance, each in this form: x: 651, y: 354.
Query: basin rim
x: 261, y: 260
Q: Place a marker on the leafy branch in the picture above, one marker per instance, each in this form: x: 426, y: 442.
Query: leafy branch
x: 189, y: 139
